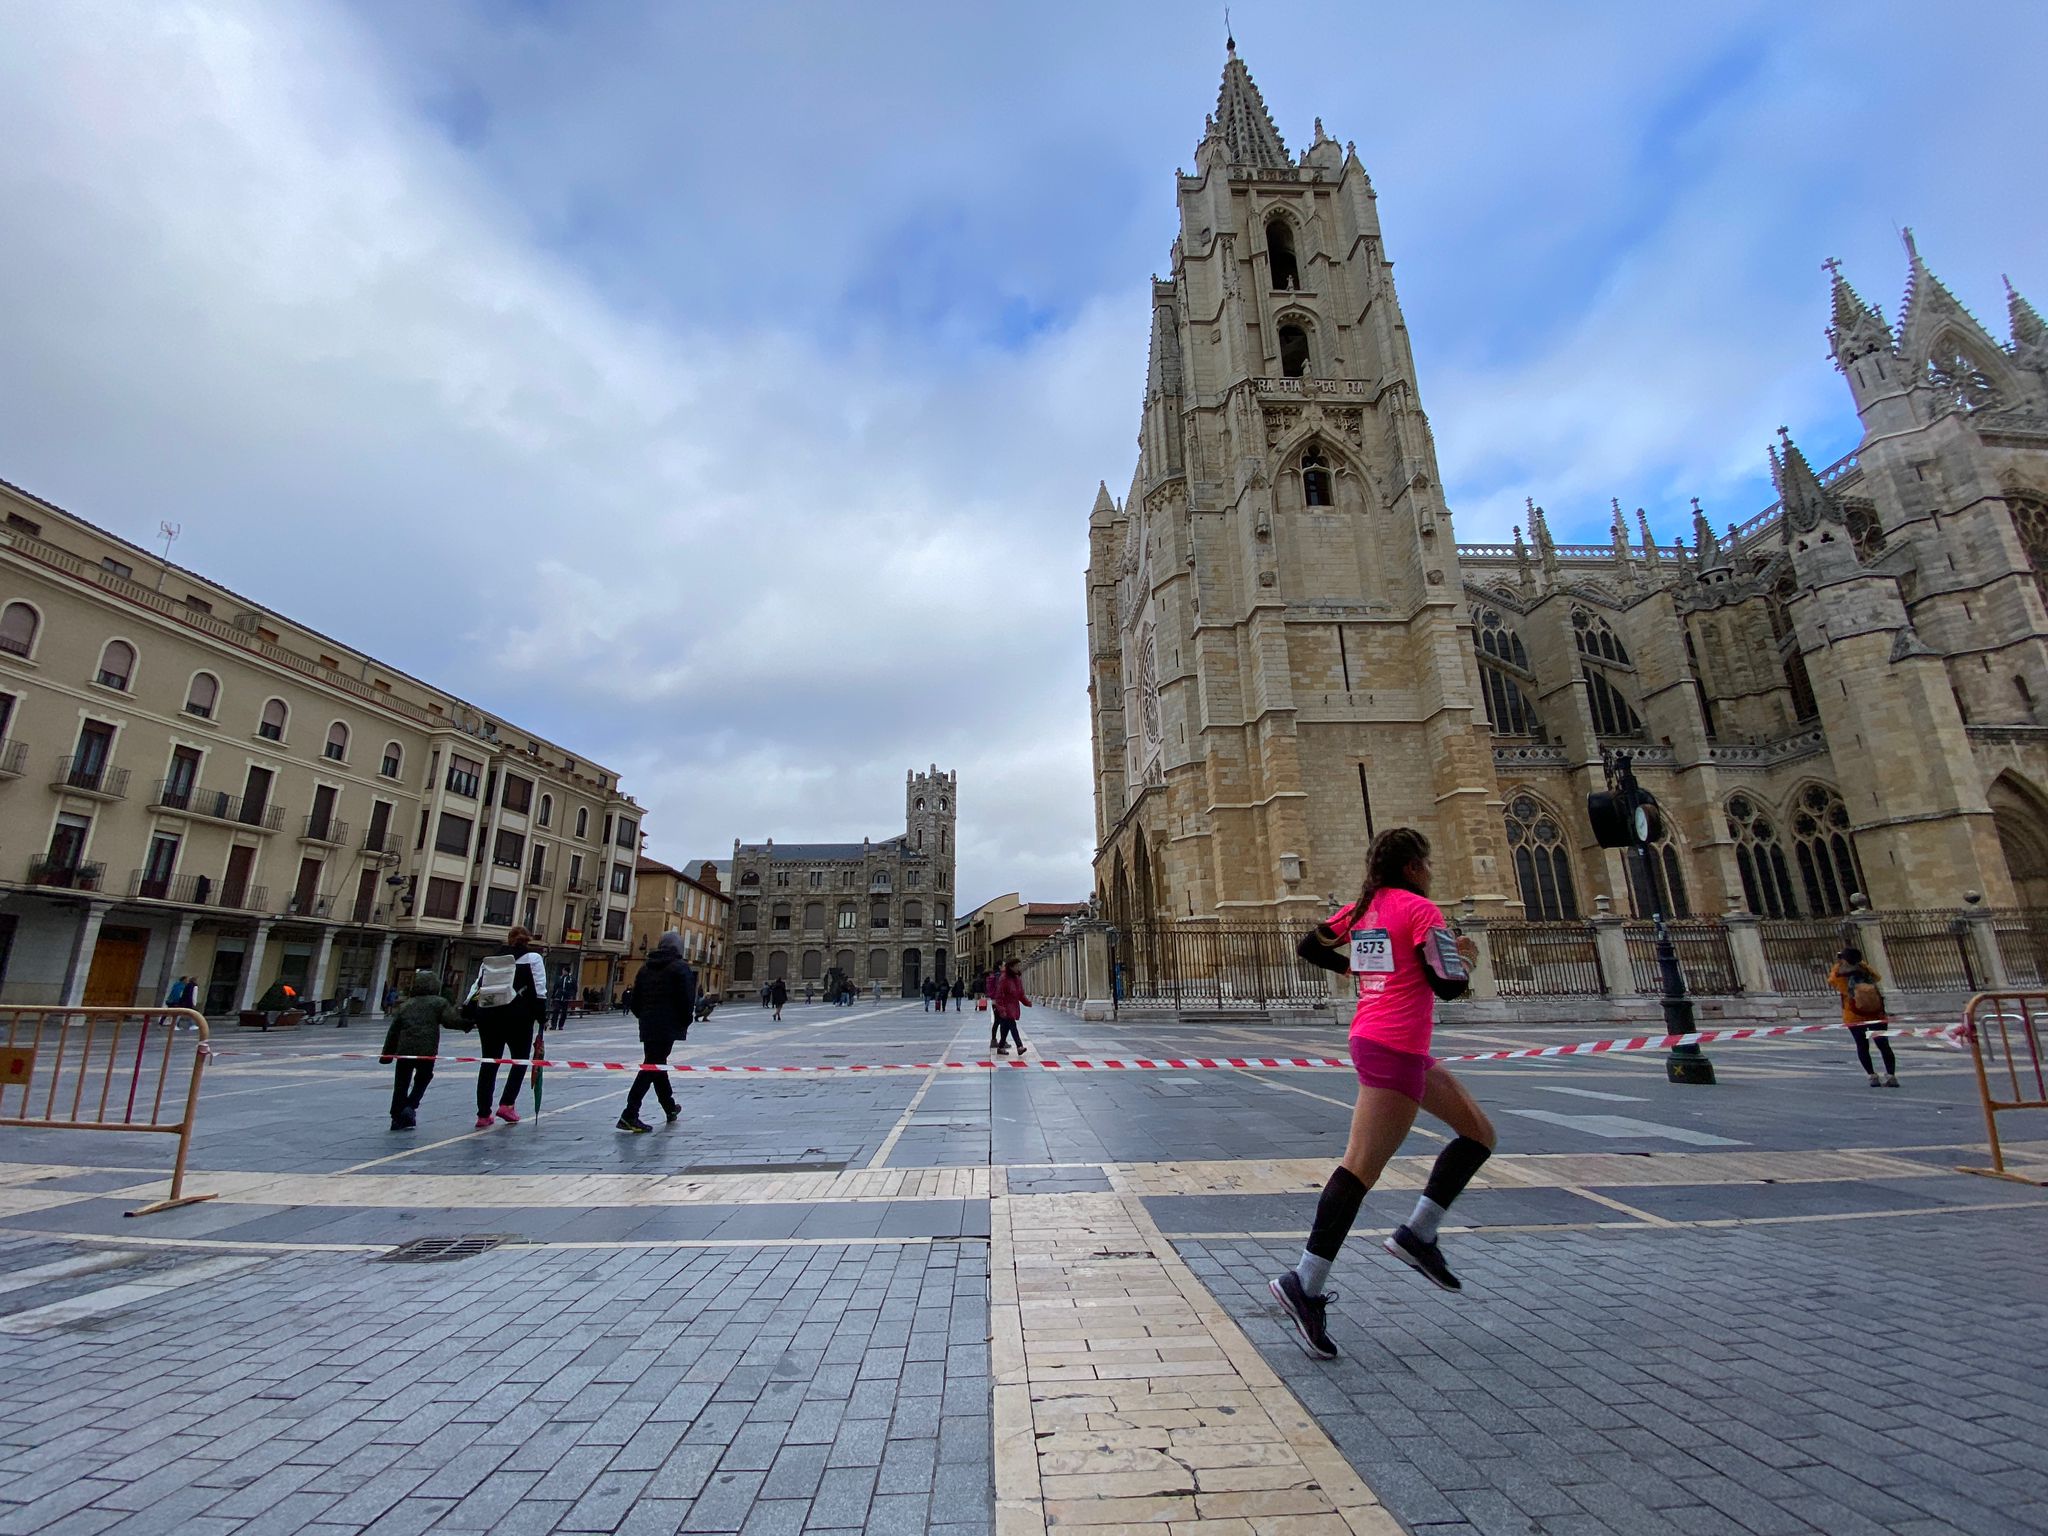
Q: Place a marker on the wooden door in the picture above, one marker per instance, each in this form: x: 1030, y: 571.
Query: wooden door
x: 235, y: 889
x: 116, y: 968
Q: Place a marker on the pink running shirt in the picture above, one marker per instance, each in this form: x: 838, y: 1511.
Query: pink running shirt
x: 1395, y: 1008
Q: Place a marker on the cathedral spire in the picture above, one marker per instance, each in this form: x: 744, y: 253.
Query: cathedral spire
x: 1930, y: 309
x: 1857, y: 329
x: 2029, y: 331
x: 1805, y: 500
x: 1242, y: 122
x: 1706, y: 548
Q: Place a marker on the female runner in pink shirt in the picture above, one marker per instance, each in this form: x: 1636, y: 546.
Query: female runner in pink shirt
x: 1404, y: 958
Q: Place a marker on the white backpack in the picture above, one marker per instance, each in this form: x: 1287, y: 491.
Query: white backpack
x: 495, y: 982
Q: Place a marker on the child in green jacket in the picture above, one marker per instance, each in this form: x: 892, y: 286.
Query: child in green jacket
x: 416, y: 1032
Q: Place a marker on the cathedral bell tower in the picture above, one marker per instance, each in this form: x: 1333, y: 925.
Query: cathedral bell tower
x: 1277, y: 661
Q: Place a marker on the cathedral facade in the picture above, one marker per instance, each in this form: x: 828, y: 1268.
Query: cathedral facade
x: 1289, y: 650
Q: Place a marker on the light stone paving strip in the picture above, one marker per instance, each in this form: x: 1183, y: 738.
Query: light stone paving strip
x: 1126, y: 1399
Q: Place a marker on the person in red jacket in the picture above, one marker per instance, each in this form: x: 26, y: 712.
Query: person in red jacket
x: 1006, y: 996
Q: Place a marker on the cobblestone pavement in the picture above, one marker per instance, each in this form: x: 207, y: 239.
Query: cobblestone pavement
x: 1023, y: 1300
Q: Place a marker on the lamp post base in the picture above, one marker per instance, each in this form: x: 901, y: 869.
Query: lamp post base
x: 1688, y: 1064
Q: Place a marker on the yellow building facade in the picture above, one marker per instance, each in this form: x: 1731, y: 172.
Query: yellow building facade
x: 667, y: 898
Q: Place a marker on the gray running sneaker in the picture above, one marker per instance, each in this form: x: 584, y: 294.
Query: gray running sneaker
x: 1425, y: 1258
x: 1306, y: 1312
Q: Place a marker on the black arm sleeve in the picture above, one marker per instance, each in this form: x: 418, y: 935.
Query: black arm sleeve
x: 1321, y: 955
x: 1446, y: 991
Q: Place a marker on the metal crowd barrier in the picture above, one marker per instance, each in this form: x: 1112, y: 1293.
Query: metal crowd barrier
x: 106, y: 1069
x: 2004, y: 1030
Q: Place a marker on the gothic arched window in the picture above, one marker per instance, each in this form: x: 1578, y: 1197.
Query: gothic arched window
x: 1612, y: 715
x: 1596, y: 637
x: 1829, y: 870
x: 1766, y: 878
x: 1503, y: 671
x: 117, y: 665
x: 1958, y: 378
x: 2030, y: 517
x: 1280, y: 254
x: 1791, y: 660
x: 18, y: 625
x: 1542, y: 867
x: 1656, y: 882
x: 1293, y: 351
x: 1315, y: 480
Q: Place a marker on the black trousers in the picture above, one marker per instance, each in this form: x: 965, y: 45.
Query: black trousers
x: 409, y: 1081
x: 558, y: 1015
x: 1884, y: 1047
x: 501, y: 1040
x: 652, y: 1051
x: 1006, y: 1029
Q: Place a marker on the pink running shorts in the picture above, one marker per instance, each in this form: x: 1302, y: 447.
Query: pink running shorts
x: 1381, y: 1066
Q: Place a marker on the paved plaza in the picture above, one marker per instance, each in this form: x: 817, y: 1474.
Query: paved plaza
x: 1024, y: 1299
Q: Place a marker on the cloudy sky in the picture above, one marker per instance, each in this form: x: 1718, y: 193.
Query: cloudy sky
x: 721, y: 388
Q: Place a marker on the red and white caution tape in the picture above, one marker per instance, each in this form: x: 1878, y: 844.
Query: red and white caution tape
x: 1950, y: 1034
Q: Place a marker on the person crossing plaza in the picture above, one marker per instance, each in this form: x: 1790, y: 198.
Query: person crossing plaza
x: 412, y: 1042
x: 507, y: 1003
x: 1863, y: 1008
x: 1405, y: 960
x: 1006, y: 996
x: 664, y: 1002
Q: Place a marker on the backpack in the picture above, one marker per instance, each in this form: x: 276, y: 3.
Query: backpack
x: 496, y: 982
x: 1865, y: 996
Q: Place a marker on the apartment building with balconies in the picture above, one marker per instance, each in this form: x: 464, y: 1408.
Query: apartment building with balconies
x: 193, y: 784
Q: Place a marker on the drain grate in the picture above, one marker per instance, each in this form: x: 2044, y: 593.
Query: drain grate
x: 446, y: 1250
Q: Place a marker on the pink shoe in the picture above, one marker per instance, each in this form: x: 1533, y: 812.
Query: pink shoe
x: 508, y: 1114
x: 483, y: 1122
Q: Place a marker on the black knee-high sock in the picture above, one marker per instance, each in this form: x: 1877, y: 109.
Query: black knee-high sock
x: 1454, y: 1168
x: 1335, y: 1212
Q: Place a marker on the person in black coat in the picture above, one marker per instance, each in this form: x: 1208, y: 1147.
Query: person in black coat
x: 664, y: 1001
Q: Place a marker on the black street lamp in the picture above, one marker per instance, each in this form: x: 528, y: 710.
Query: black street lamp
x: 1625, y: 815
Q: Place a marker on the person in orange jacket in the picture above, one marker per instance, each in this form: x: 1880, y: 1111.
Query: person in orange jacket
x: 1849, y: 975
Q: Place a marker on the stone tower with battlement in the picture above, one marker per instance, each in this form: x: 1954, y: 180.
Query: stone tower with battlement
x: 1280, y: 656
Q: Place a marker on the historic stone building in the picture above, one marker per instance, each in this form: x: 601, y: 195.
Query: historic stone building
x: 1288, y: 650
x: 878, y: 912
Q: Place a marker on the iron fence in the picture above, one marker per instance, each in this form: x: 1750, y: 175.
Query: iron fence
x: 1208, y: 965
x: 1929, y: 951
x: 1545, y: 959
x: 1704, y: 957
x: 2022, y: 936
x: 1800, y: 951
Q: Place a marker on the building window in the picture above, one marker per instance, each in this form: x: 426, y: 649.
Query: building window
x: 1315, y: 480
x: 583, y: 821
x: 1829, y: 871
x: 1612, y: 715
x: 509, y: 851
x: 1656, y: 883
x: 18, y: 625
x: 878, y: 915
x: 202, y: 696
x: 275, y: 714
x: 452, y: 834
x: 116, y: 567
x: 913, y: 914
x: 1503, y: 675
x: 778, y: 917
x: 817, y: 879
x: 1542, y: 867
x: 197, y: 604
x: 749, y: 916
x: 849, y: 917
x: 629, y: 835
x: 1594, y: 636
x: 879, y: 881
x: 743, y: 966
x: 1760, y: 859
x: 444, y: 898
x: 24, y: 525
x: 622, y: 880
x: 337, y: 742
x: 614, y: 925
x: 1286, y: 272
x: 465, y: 776
x: 878, y: 964
x: 813, y: 964
x: 117, y: 665
x: 547, y: 809
x: 394, y: 760
x: 751, y: 879
x: 498, y: 904
x: 518, y: 794
x: 782, y: 878
x: 1294, y: 360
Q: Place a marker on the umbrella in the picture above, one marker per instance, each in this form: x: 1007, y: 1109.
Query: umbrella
x: 540, y: 1040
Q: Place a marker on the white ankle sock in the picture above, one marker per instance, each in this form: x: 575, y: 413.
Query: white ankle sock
x: 1423, y: 1222
x: 1312, y: 1272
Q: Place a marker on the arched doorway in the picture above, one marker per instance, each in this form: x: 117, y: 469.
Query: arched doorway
x: 913, y: 971
x: 2020, y: 814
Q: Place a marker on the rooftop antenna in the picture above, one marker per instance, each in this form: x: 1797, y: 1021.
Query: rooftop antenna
x: 168, y: 532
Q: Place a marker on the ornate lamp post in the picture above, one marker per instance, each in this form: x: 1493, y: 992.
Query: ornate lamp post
x: 1626, y: 816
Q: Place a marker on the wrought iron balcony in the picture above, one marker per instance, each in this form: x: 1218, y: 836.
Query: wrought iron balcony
x: 251, y: 898
x: 66, y: 874
x: 578, y: 885
x: 186, y: 890
x: 215, y: 806
x: 328, y: 829
x: 380, y: 842
x: 101, y: 780
x: 13, y: 759
x: 537, y: 877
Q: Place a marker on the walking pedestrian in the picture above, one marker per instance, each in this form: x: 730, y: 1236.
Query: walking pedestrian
x: 1007, y: 995
x: 558, y: 1003
x: 415, y: 1032
x: 926, y: 989
x: 1405, y: 959
x: 995, y: 1023
x: 959, y: 992
x: 664, y: 1001
x: 878, y: 992
x: 1862, y: 1010
x: 778, y: 994
x: 506, y: 1003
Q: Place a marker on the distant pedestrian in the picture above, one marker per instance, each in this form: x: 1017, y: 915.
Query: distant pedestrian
x: 807, y: 994
x: 778, y: 994
x: 664, y: 1001
x: 926, y: 989
x: 764, y: 995
x: 959, y: 993
x: 507, y: 1002
x: 1863, y: 1009
x: 415, y: 1032
x: 1007, y: 995
x: 558, y: 1004
x: 995, y: 1023
x: 878, y: 991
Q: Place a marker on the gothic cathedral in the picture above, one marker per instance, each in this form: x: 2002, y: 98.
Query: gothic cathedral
x: 1289, y: 651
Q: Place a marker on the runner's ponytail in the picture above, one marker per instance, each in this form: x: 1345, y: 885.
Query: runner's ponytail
x: 1386, y: 864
